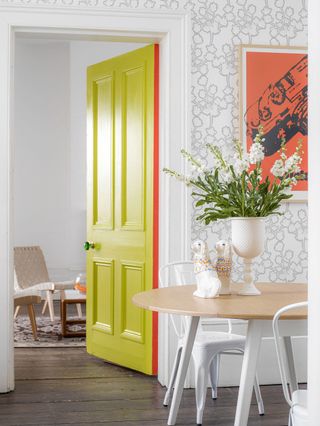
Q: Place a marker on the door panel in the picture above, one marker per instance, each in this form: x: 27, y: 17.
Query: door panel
x: 132, y: 324
x: 103, y: 291
x: 121, y: 134
x: 133, y: 149
x: 103, y: 152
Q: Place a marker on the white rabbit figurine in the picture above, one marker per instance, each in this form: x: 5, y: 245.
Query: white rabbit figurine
x: 224, y: 265
x: 208, y: 284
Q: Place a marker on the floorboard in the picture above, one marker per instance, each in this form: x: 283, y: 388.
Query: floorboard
x: 66, y: 386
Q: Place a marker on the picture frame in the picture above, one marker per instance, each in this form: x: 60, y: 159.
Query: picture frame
x: 273, y: 93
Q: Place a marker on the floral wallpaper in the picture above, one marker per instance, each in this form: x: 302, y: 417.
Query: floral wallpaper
x: 218, y: 27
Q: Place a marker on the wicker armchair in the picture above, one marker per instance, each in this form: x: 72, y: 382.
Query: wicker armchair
x: 31, y: 276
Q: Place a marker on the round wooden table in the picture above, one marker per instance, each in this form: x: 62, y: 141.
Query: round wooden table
x: 258, y: 310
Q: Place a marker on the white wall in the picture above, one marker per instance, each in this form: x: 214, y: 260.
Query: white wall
x: 41, y: 133
x: 50, y: 147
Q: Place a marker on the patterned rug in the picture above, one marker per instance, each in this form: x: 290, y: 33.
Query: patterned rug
x: 49, y: 334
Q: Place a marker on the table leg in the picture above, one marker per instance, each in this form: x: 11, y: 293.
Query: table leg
x: 63, y: 312
x: 248, y: 371
x: 290, y: 361
x: 182, y: 371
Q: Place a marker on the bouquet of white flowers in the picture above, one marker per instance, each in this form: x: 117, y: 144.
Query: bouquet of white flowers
x: 235, y: 187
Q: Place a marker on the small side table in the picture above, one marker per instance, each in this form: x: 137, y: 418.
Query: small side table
x: 71, y: 297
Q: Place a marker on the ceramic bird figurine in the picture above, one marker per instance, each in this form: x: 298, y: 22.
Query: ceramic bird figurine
x: 208, y: 284
x: 224, y: 265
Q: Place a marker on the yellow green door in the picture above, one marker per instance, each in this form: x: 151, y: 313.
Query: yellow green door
x: 121, y: 126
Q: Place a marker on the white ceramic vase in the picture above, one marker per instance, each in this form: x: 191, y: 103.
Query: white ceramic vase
x: 248, y: 237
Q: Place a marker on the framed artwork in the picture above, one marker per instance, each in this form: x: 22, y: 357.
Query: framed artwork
x: 274, y: 94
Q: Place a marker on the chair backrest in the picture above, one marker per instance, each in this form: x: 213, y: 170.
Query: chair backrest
x: 279, y: 347
x: 181, y: 273
x: 173, y: 274
x: 30, y: 266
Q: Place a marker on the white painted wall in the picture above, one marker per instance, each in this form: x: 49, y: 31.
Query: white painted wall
x: 41, y: 134
x: 50, y: 147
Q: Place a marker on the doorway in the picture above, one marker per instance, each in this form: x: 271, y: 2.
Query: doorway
x: 170, y: 31
x: 50, y: 159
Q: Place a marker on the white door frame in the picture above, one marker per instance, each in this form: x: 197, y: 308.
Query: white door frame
x: 172, y: 31
x: 314, y: 213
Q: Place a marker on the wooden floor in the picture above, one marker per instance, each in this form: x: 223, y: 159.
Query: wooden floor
x: 65, y: 386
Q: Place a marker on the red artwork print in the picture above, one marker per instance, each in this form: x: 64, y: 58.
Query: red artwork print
x: 276, y: 99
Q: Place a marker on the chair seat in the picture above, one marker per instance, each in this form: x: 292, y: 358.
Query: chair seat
x: 26, y: 292
x: 63, y: 285
x: 44, y: 286
x: 215, y: 338
x: 300, y: 397
x: 299, y: 409
x: 26, y: 300
x: 208, y: 344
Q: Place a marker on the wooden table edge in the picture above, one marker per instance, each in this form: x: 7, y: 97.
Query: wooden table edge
x: 292, y: 315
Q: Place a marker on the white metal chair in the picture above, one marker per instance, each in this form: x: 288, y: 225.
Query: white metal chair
x: 208, y: 346
x: 31, y: 277
x: 297, y: 399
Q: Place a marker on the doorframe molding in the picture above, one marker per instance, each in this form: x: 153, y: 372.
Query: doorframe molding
x: 172, y: 32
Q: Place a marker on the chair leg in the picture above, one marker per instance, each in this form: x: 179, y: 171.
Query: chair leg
x: 45, y: 304
x: 214, y: 375
x: 258, y: 396
x: 202, y: 373
x: 50, y: 304
x: 79, y: 310
x: 293, y: 383
x: 33, y: 321
x: 172, y: 377
x: 16, y: 312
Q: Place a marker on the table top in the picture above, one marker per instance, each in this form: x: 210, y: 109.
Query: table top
x: 73, y: 295
x: 180, y: 300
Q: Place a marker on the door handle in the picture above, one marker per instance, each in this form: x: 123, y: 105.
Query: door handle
x: 88, y: 245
